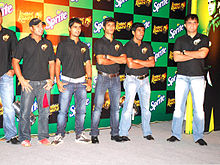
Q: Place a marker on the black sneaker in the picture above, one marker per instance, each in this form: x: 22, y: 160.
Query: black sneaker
x: 116, y: 138
x: 172, y: 139
x: 94, y: 139
x: 125, y: 138
x: 14, y: 140
x: 201, y: 142
x: 149, y: 137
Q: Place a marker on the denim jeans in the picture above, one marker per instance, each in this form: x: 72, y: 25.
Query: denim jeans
x: 196, y: 84
x: 27, y: 100
x: 80, y: 96
x: 132, y: 86
x: 7, y: 97
x: 114, y: 88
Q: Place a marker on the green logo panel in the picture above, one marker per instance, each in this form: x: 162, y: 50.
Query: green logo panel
x: 160, y: 50
x: 161, y: 8
x: 171, y: 78
x: 98, y: 17
x: 124, y: 6
x: 176, y: 29
x: 81, y: 4
x: 147, y: 21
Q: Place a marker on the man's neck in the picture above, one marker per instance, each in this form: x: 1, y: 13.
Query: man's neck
x: 109, y: 36
x: 75, y: 39
x: 192, y: 34
x: 36, y: 37
x: 137, y: 41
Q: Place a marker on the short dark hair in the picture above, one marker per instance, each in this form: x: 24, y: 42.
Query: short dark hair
x: 74, y: 20
x: 191, y: 16
x: 136, y: 25
x: 1, y: 11
x: 109, y: 19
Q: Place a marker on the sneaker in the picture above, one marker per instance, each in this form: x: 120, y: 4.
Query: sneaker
x: 58, y: 139
x: 149, y: 137
x: 26, y: 143
x: 82, y: 139
x: 172, y: 139
x: 44, y: 141
x: 14, y: 140
x: 201, y: 142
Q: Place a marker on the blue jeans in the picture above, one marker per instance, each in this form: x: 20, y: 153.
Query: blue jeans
x: 132, y: 86
x: 27, y: 100
x: 196, y: 84
x: 80, y: 96
x: 7, y: 97
x: 114, y: 87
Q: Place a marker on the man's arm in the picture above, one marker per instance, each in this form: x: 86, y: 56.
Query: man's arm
x: 199, y: 54
x: 101, y: 60
x: 57, y: 73
x: 150, y: 62
x: 24, y: 83
x: 88, y: 68
x: 120, y: 60
x: 133, y: 65
x: 49, y: 84
x: 180, y: 57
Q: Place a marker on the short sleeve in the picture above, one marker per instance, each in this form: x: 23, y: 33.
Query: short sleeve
x: 19, y: 52
x: 50, y: 52
x: 150, y: 51
x: 205, y: 42
x: 86, y: 54
x: 59, y: 51
x: 98, y: 48
x: 177, y: 45
x: 127, y: 52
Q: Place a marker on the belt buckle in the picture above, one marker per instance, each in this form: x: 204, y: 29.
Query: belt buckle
x: 141, y: 77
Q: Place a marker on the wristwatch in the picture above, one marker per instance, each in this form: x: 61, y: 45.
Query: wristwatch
x: 106, y: 56
x: 184, y: 52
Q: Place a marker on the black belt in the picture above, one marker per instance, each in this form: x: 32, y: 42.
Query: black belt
x: 140, y: 77
x: 110, y: 75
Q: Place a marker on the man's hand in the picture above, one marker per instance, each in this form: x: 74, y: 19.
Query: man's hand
x: 25, y: 85
x: 60, y: 85
x: 49, y: 84
x: 11, y: 73
x: 88, y: 85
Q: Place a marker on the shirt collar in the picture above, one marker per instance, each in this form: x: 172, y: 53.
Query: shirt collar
x: 42, y: 38
x: 106, y: 39
x: 132, y: 41
x: 196, y: 36
x: 70, y: 40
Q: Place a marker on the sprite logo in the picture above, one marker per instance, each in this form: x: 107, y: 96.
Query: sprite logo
x: 176, y: 31
x: 154, y: 104
x: 73, y: 109
x: 74, y: 0
x: 171, y: 80
x: 6, y: 9
x: 98, y: 26
x: 161, y: 52
x: 119, y: 3
x: 146, y: 24
x: 158, y: 5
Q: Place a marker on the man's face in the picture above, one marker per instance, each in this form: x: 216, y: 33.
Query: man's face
x: 75, y: 29
x: 109, y: 28
x: 1, y: 19
x: 191, y: 25
x: 212, y: 6
x: 37, y: 29
x: 139, y: 33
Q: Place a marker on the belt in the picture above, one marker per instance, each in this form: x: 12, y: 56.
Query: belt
x: 109, y: 75
x: 140, y: 77
x: 73, y: 80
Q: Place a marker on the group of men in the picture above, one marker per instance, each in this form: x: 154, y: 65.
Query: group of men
x: 37, y: 80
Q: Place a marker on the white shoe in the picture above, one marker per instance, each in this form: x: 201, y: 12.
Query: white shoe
x: 58, y: 139
x: 82, y: 139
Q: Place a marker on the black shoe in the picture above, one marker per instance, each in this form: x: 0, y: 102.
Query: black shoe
x: 125, y: 138
x: 149, y: 137
x: 116, y: 138
x: 14, y: 140
x: 201, y: 142
x: 95, y: 139
x: 172, y: 139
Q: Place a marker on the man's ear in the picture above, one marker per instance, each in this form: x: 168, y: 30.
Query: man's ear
x: 132, y: 33
x: 31, y: 28
x: 69, y: 28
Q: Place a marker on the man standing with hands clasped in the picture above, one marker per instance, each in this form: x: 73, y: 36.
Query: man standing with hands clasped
x: 36, y: 81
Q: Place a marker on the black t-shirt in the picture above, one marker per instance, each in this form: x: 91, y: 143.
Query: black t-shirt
x: 36, y: 57
x: 72, y: 57
x: 194, y: 67
x: 142, y: 52
x: 106, y: 47
x: 8, y: 43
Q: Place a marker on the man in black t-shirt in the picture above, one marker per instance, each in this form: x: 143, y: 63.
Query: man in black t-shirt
x: 8, y: 42
x: 76, y: 66
x: 189, y: 53
x: 139, y: 58
x: 36, y: 81
x: 109, y: 54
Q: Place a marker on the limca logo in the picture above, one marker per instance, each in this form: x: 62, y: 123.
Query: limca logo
x: 170, y: 102
x: 178, y: 6
x: 160, y: 29
x: 123, y: 25
x: 140, y: 3
x: 160, y: 77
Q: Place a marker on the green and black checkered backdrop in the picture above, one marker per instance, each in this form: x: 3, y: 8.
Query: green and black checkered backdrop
x: 163, y: 20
